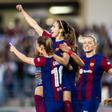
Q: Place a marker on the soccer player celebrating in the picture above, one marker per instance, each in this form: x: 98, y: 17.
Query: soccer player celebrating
x: 51, y: 74
x: 60, y: 31
x: 89, y: 84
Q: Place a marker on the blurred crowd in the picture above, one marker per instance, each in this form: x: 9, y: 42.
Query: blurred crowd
x: 17, y: 80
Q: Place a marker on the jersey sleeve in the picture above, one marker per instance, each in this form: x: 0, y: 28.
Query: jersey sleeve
x: 46, y: 34
x: 105, y: 64
x: 39, y: 62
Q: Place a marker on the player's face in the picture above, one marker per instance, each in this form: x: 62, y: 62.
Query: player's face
x: 55, y: 29
x: 89, y: 45
x: 41, y: 50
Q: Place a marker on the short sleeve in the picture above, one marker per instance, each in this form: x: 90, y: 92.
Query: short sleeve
x: 39, y: 62
x: 46, y: 34
x: 106, y: 65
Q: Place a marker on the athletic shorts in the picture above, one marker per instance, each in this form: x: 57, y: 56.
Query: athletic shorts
x: 68, y: 81
x: 88, y: 106
x: 54, y: 106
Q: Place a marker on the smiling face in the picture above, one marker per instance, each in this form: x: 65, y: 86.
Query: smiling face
x: 89, y: 44
x: 55, y: 30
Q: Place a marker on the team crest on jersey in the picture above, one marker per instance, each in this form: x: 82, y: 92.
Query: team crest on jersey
x: 91, y: 64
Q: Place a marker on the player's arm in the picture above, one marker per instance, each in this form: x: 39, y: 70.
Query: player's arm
x: 21, y: 56
x: 108, y: 101
x: 73, y: 55
x: 30, y: 20
x: 106, y: 65
x: 63, y: 60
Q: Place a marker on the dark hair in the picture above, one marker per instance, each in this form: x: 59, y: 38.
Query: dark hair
x: 47, y: 43
x: 70, y: 39
x: 69, y: 34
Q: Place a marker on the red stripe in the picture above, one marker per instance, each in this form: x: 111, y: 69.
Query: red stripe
x: 79, y: 96
x: 79, y: 89
x: 90, y: 76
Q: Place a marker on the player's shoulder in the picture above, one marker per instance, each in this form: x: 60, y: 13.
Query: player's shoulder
x: 82, y: 56
x: 40, y: 59
x: 100, y: 56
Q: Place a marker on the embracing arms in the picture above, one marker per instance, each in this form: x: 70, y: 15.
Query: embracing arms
x: 64, y: 47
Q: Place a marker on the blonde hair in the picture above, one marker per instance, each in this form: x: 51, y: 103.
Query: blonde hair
x: 81, y: 38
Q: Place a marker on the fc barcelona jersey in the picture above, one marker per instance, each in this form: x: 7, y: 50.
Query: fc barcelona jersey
x: 89, y: 84
x: 51, y: 72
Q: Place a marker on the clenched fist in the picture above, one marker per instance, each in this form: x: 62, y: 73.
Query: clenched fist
x: 12, y: 47
x: 19, y: 7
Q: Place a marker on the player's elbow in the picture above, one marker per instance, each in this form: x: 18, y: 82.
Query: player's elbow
x: 65, y: 63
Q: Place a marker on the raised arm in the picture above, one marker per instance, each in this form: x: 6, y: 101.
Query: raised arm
x: 64, y: 47
x: 29, y: 20
x: 21, y: 56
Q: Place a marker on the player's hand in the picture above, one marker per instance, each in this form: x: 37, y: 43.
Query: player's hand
x: 64, y: 47
x: 108, y: 101
x: 19, y: 7
x: 12, y: 47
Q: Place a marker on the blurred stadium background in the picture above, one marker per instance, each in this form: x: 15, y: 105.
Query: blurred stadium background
x: 17, y: 80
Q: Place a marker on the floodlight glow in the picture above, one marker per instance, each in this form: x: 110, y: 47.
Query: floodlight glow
x: 61, y: 9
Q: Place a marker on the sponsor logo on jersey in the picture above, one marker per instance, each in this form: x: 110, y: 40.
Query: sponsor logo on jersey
x: 81, y: 71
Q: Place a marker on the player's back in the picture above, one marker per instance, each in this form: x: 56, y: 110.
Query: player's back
x: 52, y: 84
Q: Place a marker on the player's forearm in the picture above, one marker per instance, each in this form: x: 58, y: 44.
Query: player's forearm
x: 32, y: 22
x: 77, y: 59
x: 60, y: 59
x: 22, y: 57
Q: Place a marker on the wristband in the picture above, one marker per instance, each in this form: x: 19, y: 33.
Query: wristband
x: 70, y: 52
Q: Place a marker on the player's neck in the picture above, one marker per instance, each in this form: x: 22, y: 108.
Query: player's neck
x: 90, y: 54
x: 59, y: 37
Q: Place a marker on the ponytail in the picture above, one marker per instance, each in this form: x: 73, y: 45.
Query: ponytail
x: 70, y: 39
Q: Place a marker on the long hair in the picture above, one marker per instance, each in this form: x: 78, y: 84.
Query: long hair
x: 47, y: 43
x: 68, y: 34
x: 70, y: 39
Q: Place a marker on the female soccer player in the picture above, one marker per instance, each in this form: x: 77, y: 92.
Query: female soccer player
x: 60, y: 32
x: 51, y: 74
x: 89, y: 84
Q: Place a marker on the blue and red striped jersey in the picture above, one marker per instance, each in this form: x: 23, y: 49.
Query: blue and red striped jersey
x: 51, y: 72
x: 89, y: 84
